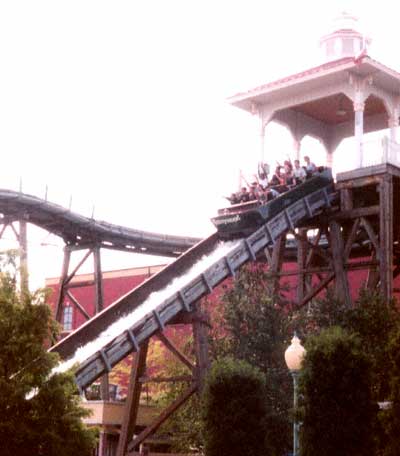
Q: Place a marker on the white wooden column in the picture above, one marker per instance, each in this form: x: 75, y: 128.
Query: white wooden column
x: 265, y: 116
x: 329, y: 157
x: 359, y: 130
x: 394, y: 124
x: 297, y: 147
x: 262, y: 142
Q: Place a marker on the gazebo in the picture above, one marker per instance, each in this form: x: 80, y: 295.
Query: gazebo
x: 349, y: 94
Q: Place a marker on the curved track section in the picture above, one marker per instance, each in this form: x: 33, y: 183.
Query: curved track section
x: 121, y: 328
x: 78, y: 230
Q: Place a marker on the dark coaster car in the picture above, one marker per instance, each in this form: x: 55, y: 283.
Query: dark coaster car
x: 297, y: 204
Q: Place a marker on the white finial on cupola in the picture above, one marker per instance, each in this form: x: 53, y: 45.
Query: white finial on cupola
x: 344, y: 39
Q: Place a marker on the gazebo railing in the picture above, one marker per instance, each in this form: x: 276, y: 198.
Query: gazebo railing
x: 380, y: 151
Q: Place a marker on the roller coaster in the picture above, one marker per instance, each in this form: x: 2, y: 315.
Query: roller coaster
x: 355, y: 238
x: 144, y: 320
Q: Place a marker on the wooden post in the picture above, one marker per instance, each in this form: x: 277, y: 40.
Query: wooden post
x: 132, y: 401
x: 99, y: 305
x: 346, y: 201
x: 98, y: 280
x: 201, y: 350
x: 277, y: 260
x: 386, y: 236
x: 301, y: 263
x: 341, y: 284
x: 61, y: 289
x: 373, y: 274
x: 23, y: 255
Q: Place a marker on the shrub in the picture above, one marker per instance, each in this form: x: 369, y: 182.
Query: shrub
x: 338, y: 411
x: 234, y: 410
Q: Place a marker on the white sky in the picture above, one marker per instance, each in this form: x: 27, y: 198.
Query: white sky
x: 122, y: 105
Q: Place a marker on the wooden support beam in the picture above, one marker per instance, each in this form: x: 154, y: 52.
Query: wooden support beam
x: 315, y: 247
x: 341, y: 284
x: 386, y: 236
x: 373, y: 274
x: 268, y: 256
x: 160, y: 420
x: 99, y: 305
x: 98, y: 280
x: 23, y: 256
x: 355, y: 213
x: 312, y: 250
x: 132, y: 400
x: 171, y: 347
x: 308, y: 262
x: 324, y: 269
x: 357, y: 182
x: 315, y: 290
x: 200, y: 336
x: 350, y: 239
x: 346, y: 200
x: 61, y: 285
x: 371, y: 234
x: 301, y: 262
x: 4, y: 227
x: 78, y: 305
x: 15, y: 231
x: 277, y: 260
x: 72, y: 275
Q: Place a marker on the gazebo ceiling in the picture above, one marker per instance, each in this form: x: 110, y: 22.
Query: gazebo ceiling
x: 304, y: 92
x: 338, y: 108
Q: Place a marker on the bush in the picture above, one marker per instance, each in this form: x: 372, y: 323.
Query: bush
x: 234, y: 410
x: 390, y: 418
x: 338, y: 412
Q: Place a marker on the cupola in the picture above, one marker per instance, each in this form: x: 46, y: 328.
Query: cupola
x: 345, y: 39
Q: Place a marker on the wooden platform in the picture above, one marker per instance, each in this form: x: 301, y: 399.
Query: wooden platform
x: 365, y: 173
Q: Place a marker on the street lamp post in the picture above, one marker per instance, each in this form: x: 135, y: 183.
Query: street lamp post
x: 294, y: 355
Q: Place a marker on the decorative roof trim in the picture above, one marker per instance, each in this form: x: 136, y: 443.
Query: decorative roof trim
x: 328, y: 67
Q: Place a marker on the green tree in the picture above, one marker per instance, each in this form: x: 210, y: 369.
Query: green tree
x: 234, y: 410
x: 339, y: 414
x: 374, y: 321
x: 256, y: 327
x: 40, y: 414
x: 390, y: 417
x: 371, y: 319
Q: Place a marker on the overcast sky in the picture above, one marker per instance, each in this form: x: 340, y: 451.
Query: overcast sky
x: 120, y: 106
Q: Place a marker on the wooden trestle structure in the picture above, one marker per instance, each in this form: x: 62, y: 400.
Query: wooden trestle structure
x: 182, y: 306
x: 326, y: 238
x: 359, y: 232
x: 128, y: 442
x: 358, y: 229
